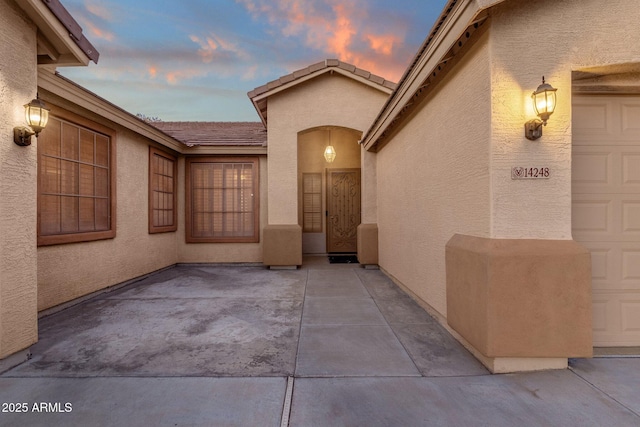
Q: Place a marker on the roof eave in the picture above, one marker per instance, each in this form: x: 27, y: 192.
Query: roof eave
x: 225, y: 150
x: 76, y: 94
x: 60, y: 38
x: 456, y: 17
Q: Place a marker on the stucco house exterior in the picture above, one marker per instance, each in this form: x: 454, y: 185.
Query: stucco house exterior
x: 506, y: 260
x: 35, y: 37
x: 427, y: 183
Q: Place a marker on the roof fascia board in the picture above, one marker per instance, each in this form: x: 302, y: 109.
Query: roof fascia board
x: 51, y: 28
x: 486, y: 4
x: 315, y: 74
x: 464, y: 13
x: 263, y: 119
x: 73, y: 93
x: 227, y: 150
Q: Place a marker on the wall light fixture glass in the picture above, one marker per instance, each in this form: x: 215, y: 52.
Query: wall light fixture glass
x: 36, y: 116
x: 544, y: 104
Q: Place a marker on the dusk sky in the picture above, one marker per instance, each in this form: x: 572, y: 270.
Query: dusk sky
x: 195, y: 60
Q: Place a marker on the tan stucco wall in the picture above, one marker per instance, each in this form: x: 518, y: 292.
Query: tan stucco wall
x: 327, y: 100
x: 458, y: 150
x: 577, y: 34
x: 66, y: 272
x: 18, y: 266
x: 220, y: 252
x: 433, y: 180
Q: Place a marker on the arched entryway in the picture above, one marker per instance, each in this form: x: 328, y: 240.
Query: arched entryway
x: 329, y: 192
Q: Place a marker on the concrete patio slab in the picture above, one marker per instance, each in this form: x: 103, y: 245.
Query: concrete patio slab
x: 214, y: 345
x: 402, y: 309
x: 435, y: 352
x: 378, y: 285
x: 335, y: 283
x: 347, y: 350
x: 540, y: 399
x: 205, y: 324
x: 617, y: 377
x: 341, y: 311
x: 144, y: 402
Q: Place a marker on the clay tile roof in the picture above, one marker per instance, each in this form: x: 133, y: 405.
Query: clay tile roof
x: 322, y: 66
x: 317, y: 67
x: 216, y: 133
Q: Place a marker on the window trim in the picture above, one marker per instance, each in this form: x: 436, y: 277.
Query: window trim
x: 310, y: 230
x: 171, y: 228
x: 86, y: 236
x: 256, y: 199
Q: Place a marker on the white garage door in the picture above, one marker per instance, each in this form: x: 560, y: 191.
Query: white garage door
x: 606, y: 210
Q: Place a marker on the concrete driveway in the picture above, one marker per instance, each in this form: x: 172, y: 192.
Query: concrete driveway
x: 325, y: 345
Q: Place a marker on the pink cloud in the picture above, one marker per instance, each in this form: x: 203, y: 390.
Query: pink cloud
x: 99, y: 10
x: 98, y: 32
x: 94, y: 18
x: 383, y: 44
x: 340, y: 39
x: 338, y: 28
x: 211, y: 44
x: 174, y: 77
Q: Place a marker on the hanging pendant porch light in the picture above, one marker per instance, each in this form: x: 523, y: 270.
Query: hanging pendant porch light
x: 329, y: 154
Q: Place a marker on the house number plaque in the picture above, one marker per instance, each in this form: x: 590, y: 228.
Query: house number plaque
x: 518, y: 172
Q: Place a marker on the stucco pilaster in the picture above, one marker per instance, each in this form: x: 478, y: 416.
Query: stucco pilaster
x: 18, y: 178
x: 368, y: 187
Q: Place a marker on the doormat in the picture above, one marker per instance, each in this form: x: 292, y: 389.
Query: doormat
x: 343, y: 259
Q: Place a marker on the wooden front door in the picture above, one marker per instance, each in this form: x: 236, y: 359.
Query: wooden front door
x: 343, y: 209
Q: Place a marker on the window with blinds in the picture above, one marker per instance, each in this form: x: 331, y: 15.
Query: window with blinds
x: 222, y: 200
x: 162, y: 196
x: 76, y: 186
x: 312, y: 203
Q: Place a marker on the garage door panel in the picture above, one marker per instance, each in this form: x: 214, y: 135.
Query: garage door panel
x: 595, y: 218
x: 591, y: 167
x: 630, y: 116
x: 593, y: 117
x: 605, y: 265
x: 616, y: 319
x: 600, y: 319
x: 630, y: 216
x: 614, y: 265
x: 600, y: 260
x: 626, y: 211
x: 631, y: 265
x: 631, y: 169
x: 630, y: 313
x: 606, y: 210
x: 592, y: 217
x: 598, y: 169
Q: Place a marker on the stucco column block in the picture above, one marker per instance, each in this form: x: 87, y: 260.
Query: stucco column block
x: 520, y: 298
x: 282, y: 245
x: 18, y: 188
x: 368, y: 244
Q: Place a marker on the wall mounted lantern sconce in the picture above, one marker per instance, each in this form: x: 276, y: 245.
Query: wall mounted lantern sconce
x: 544, y: 103
x: 329, y: 154
x: 36, y: 115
